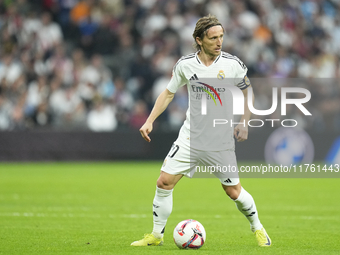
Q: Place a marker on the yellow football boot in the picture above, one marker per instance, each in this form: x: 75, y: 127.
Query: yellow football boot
x: 262, y: 238
x: 148, y: 240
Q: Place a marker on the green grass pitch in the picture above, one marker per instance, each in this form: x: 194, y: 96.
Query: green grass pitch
x: 100, y: 208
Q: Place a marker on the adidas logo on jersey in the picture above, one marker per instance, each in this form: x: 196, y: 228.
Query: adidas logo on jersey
x: 228, y: 181
x: 194, y: 77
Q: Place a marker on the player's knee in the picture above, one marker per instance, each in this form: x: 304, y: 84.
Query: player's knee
x: 232, y: 191
x: 233, y: 194
x: 164, y: 184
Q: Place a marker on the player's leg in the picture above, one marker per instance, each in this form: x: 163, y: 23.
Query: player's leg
x: 168, y: 181
x: 243, y: 200
x: 246, y: 205
x: 162, y: 203
x: 176, y: 164
x: 232, y: 191
x: 162, y: 207
x: 232, y: 186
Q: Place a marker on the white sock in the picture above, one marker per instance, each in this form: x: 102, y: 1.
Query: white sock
x: 162, y: 207
x: 246, y: 205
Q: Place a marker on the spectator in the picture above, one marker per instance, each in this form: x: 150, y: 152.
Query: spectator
x: 49, y: 34
x: 139, y: 115
x: 10, y: 70
x: 87, y: 29
x: 37, y: 94
x: 42, y: 116
x: 104, y: 38
x: 5, y: 113
x: 101, y: 117
x: 59, y: 64
x: 123, y: 101
x: 68, y: 108
x: 80, y: 11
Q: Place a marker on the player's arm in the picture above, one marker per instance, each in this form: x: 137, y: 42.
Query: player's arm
x: 241, y: 130
x: 162, y: 102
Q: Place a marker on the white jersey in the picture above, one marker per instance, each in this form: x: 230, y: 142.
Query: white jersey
x: 190, y: 68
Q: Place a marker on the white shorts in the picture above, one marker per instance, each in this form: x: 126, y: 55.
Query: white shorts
x: 182, y: 159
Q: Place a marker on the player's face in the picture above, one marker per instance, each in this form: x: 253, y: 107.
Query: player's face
x: 212, y: 41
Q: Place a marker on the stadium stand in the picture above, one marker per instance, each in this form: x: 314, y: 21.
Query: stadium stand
x: 69, y: 65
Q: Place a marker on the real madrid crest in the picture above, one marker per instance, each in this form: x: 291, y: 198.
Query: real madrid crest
x: 221, y: 75
x: 246, y: 80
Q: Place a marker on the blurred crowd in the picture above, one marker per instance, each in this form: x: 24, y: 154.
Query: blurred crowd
x: 100, y: 64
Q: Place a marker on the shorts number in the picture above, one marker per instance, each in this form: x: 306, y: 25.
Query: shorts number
x: 173, y: 150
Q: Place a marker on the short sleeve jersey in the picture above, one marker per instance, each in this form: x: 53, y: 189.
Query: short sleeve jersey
x: 190, y: 67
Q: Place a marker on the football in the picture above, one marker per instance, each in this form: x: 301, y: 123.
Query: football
x: 189, y: 234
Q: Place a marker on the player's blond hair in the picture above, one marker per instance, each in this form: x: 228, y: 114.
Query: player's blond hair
x: 202, y: 26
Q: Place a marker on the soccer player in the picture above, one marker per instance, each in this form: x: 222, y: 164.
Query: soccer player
x: 208, y: 62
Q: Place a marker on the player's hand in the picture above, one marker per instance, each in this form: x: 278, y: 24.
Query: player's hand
x: 145, y: 131
x: 241, y: 133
